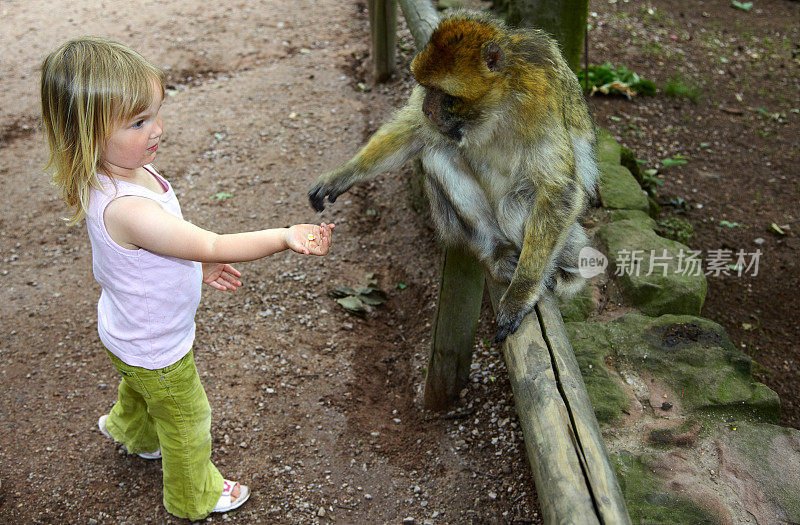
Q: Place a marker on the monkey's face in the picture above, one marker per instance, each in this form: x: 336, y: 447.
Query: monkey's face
x: 444, y: 112
x: 460, y: 69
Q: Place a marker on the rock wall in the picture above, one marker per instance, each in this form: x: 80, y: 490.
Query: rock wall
x: 693, y: 438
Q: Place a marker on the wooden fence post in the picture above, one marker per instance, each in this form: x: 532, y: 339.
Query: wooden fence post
x: 458, y: 309
x: 383, y: 28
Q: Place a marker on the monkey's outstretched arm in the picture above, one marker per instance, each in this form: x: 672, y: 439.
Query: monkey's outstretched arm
x: 390, y: 147
x: 546, y: 231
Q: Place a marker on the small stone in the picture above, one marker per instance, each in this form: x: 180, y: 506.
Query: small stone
x: 367, y: 496
x: 321, y: 512
x: 409, y: 521
x: 493, y: 495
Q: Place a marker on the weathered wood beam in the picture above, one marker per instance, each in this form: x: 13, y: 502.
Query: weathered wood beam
x: 590, y: 446
x: 550, y: 442
x: 383, y: 28
x: 422, y: 19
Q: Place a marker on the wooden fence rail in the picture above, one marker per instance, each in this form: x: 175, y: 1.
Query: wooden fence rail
x: 571, y: 469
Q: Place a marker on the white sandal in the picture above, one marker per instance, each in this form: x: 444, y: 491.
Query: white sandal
x: 101, y: 423
x: 225, y: 502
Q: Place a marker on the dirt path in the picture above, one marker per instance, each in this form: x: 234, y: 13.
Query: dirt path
x: 316, y: 410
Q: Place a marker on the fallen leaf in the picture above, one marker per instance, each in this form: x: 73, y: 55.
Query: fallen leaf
x: 353, y: 305
x: 774, y: 228
x: 744, y: 6
x: 341, y: 291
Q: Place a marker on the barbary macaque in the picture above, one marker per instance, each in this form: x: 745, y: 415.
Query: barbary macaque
x: 508, y: 149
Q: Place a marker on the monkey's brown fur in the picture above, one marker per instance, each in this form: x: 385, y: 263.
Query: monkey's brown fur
x: 507, y: 144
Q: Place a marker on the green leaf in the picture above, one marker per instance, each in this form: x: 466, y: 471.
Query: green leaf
x: 221, y: 196
x: 400, y: 286
x: 744, y: 6
x: 774, y: 228
x: 728, y: 224
x: 372, y: 300
x: 341, y: 291
x: 353, y: 305
x: 677, y: 160
x: 609, y: 80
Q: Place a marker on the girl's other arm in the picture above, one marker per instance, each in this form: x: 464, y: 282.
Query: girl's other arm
x: 142, y: 223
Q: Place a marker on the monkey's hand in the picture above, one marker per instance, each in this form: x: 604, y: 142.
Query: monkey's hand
x: 330, y: 185
x: 511, y: 311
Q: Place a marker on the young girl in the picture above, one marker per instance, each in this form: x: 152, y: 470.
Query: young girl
x: 100, y: 107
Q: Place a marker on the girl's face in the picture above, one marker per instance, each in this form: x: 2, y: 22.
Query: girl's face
x: 135, y: 142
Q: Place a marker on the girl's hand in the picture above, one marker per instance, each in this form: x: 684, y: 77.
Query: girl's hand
x: 221, y: 276
x: 310, y: 239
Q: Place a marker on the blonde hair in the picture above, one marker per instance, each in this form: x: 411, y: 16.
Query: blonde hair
x: 89, y: 86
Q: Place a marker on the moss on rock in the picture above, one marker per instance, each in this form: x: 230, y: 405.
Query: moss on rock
x: 696, y: 359
x: 653, y: 272
x: 604, y: 387
x: 579, y: 307
x: 648, y: 499
x: 637, y: 216
x: 619, y: 190
x: 608, y: 149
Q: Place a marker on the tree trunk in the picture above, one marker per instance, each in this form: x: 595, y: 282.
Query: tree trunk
x: 564, y: 20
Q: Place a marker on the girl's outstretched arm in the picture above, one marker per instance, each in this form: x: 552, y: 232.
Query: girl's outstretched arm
x: 137, y: 222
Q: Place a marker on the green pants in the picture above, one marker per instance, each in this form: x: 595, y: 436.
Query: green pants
x: 168, y: 409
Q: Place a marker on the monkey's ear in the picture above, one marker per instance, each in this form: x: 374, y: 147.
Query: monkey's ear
x: 493, y: 55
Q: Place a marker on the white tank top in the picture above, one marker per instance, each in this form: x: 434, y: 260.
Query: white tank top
x: 145, y: 315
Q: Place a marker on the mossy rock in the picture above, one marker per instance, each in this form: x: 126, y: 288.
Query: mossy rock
x: 628, y: 159
x: 691, y: 355
x: 637, y: 216
x: 608, y: 149
x: 648, y: 499
x: 673, y: 284
x: 771, y: 455
x: 619, y: 190
x: 604, y: 387
x: 654, y: 208
x: 579, y: 307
